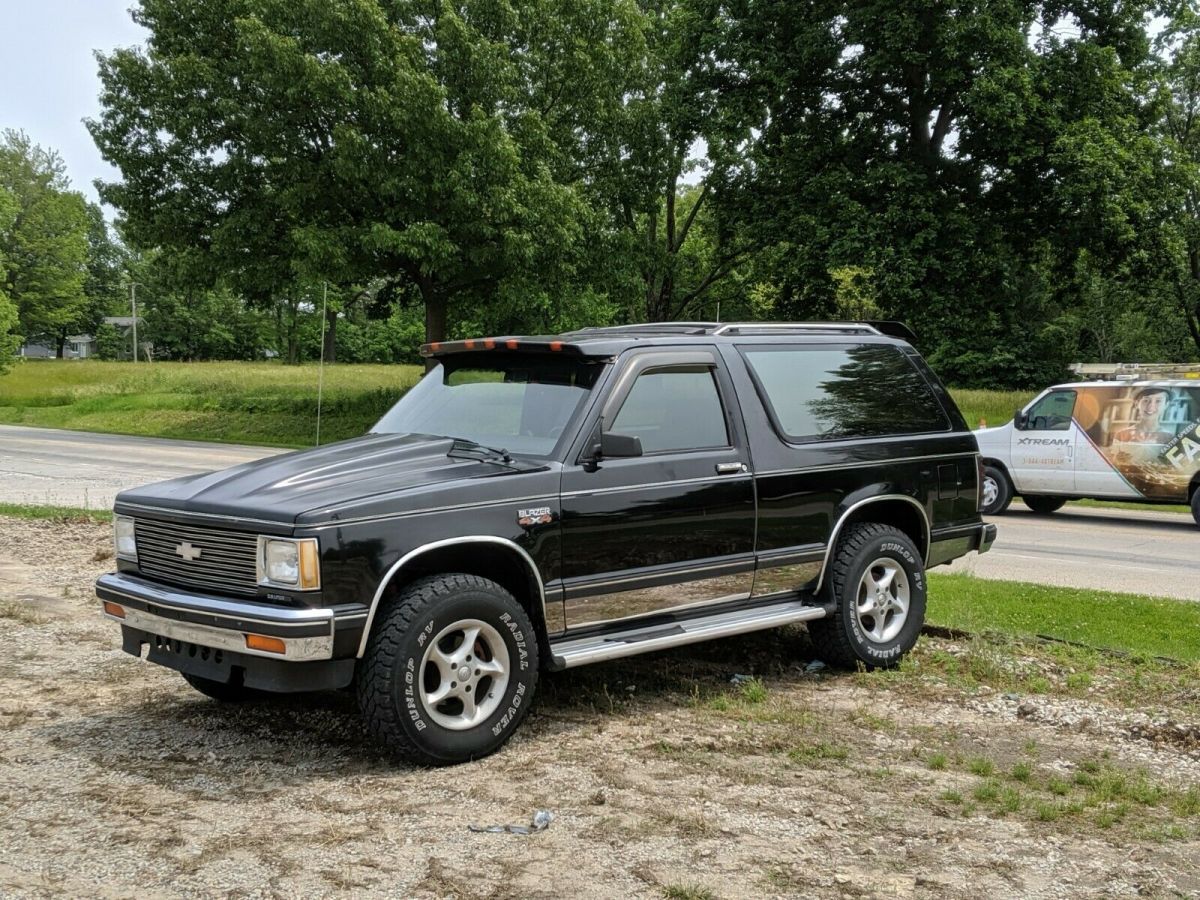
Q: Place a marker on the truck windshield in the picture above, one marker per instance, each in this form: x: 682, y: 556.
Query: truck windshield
x: 520, y: 402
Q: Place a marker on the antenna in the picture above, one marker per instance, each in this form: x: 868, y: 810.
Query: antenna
x: 321, y: 364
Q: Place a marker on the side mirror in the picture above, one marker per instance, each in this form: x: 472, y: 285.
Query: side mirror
x: 1020, y: 420
x: 616, y: 446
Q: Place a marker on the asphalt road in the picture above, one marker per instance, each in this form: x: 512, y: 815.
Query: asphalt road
x: 1115, y: 550
x: 1119, y: 550
x: 77, y: 468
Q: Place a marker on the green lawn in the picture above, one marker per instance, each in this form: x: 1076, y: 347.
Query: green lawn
x: 1144, y: 626
x: 250, y: 403
x: 994, y: 407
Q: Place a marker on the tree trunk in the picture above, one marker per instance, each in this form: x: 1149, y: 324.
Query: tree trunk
x: 330, y: 346
x: 435, y: 315
x: 293, y: 349
x: 60, y: 341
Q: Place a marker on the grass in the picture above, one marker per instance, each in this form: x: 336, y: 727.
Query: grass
x: 994, y: 407
x: 55, y: 513
x: 241, y: 402
x: 1144, y: 626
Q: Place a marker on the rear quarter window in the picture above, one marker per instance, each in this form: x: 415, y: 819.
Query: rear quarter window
x: 822, y: 392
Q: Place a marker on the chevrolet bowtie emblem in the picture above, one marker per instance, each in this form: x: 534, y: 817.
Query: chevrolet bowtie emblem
x: 187, y: 551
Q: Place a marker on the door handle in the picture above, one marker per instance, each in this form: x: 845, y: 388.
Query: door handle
x: 731, y: 468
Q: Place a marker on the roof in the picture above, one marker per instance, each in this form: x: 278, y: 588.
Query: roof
x: 609, y: 341
x: 1126, y: 383
x: 123, y: 321
x: 79, y: 339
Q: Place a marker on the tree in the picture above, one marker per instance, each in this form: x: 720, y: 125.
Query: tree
x: 965, y: 153
x: 1179, y: 45
x: 9, y: 340
x: 46, y: 246
x: 278, y: 144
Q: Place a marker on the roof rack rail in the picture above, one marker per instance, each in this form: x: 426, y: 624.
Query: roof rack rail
x: 751, y: 327
x: 1136, y: 371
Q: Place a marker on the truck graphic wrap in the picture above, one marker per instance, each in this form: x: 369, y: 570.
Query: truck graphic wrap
x: 1150, y: 434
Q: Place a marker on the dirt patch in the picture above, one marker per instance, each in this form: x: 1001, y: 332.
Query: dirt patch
x: 116, y: 778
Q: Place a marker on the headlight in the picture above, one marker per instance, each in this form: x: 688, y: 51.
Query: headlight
x: 124, y: 538
x: 289, y: 562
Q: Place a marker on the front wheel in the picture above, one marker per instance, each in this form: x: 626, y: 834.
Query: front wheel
x: 1041, y: 504
x: 877, y: 586
x: 997, y: 491
x: 450, y: 670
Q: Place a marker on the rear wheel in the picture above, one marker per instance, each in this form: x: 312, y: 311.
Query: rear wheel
x: 449, y: 671
x: 1196, y: 504
x: 877, y: 586
x: 1041, y: 504
x: 997, y: 491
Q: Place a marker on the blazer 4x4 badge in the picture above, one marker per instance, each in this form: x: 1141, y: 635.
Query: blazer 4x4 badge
x: 538, y: 515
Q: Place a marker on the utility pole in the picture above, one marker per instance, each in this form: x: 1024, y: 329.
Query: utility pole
x: 133, y: 286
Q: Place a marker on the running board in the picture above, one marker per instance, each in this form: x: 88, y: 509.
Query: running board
x: 598, y: 648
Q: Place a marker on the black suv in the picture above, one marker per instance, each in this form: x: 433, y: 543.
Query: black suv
x: 546, y: 502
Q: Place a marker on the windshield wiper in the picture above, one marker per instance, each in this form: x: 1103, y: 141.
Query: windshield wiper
x: 466, y: 445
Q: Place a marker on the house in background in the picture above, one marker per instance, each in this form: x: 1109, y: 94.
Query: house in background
x: 80, y: 346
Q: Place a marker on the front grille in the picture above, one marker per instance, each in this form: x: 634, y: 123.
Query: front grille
x: 228, y: 560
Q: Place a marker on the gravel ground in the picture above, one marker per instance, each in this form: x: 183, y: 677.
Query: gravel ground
x: 116, y: 778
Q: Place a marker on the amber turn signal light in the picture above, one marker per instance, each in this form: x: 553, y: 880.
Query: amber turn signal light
x: 114, y: 609
x: 267, y: 644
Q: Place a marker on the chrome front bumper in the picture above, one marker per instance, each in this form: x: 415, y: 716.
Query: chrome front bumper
x: 224, y: 624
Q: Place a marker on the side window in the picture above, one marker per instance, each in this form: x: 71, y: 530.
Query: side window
x: 823, y: 392
x: 1052, y: 413
x: 674, y: 409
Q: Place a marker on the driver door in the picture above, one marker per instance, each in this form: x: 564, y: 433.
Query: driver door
x: 1043, y: 445
x: 674, y: 527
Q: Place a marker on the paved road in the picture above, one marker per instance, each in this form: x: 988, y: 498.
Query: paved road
x: 76, y: 468
x: 1144, y: 552
x: 1117, y: 550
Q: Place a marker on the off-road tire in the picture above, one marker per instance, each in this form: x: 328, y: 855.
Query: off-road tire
x: 388, y: 677
x: 1004, y: 491
x: 1042, y: 504
x: 839, y: 638
x: 226, y: 692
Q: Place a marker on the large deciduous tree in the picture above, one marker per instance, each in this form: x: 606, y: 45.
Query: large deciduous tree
x: 45, y: 247
x: 962, y: 154
x: 274, y: 143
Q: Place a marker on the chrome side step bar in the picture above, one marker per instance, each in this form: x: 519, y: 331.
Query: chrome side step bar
x: 646, y: 638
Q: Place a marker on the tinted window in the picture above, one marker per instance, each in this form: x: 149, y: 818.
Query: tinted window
x: 823, y: 392
x: 1053, y: 412
x: 674, y: 409
x: 522, y: 403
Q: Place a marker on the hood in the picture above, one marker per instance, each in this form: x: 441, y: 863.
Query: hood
x: 328, y: 480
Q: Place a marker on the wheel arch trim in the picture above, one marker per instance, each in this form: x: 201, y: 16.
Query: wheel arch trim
x: 848, y: 511
x: 408, y: 557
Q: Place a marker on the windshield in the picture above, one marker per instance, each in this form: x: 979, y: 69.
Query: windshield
x: 520, y: 402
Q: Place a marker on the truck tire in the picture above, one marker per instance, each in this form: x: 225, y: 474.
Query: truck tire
x: 437, y: 646
x: 876, y: 586
x: 226, y: 692
x: 1041, y: 504
x: 997, y: 491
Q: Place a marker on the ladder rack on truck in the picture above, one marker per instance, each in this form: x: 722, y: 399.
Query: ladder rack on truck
x: 1135, y: 371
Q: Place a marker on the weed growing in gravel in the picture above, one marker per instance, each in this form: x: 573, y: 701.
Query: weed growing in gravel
x: 687, y: 892
x: 23, y: 612
x: 936, y: 761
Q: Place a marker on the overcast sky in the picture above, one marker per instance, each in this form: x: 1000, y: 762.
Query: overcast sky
x: 48, y: 82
